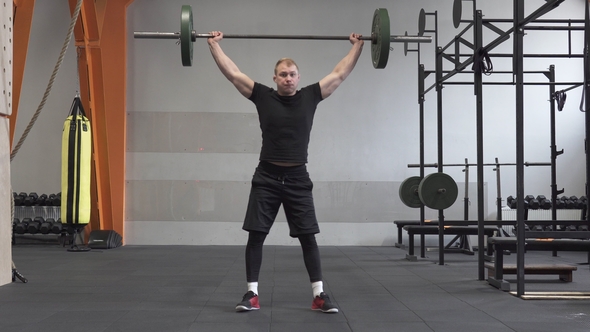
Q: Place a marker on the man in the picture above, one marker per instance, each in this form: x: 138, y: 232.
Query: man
x: 286, y: 117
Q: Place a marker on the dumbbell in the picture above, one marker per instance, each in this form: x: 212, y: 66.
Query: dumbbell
x: 570, y: 202
x: 20, y: 199
x: 560, y: 203
x: 35, y: 224
x: 579, y: 203
x: 583, y: 228
x: 42, y: 200
x: 544, y: 202
x: 511, y: 202
x: 571, y: 228
x: 21, y: 227
x: 583, y: 202
x: 31, y: 199
x: 531, y: 202
x: 45, y: 227
x: 537, y: 228
x: 565, y: 202
x: 55, y: 199
x: 57, y: 227
x: 515, y: 229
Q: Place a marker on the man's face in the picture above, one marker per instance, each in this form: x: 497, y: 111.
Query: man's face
x: 287, y: 79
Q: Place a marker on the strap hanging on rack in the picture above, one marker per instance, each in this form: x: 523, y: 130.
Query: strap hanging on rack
x: 482, y: 62
x: 560, y: 97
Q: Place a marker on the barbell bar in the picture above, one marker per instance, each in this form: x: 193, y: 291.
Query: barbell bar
x: 380, y: 37
x: 194, y: 36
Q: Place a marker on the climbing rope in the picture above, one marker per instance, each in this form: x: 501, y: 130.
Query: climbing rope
x: 17, y: 147
x: 51, y: 80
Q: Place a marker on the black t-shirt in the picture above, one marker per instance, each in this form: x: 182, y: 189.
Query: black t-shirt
x: 285, y: 121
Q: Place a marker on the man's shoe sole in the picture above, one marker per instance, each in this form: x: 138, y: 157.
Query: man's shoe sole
x: 244, y: 308
x: 329, y: 311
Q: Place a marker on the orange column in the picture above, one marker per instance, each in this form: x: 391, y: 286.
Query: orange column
x: 102, y: 44
x: 22, y: 19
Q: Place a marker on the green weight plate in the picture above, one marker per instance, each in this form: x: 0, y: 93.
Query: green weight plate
x: 421, y: 22
x: 438, y: 191
x: 186, y: 31
x: 380, y: 38
x: 457, y: 12
x: 408, y: 192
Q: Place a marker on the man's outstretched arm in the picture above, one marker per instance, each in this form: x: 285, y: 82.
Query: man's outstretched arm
x: 333, y: 80
x: 228, y: 68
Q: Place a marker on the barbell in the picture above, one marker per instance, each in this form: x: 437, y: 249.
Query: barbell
x: 437, y: 191
x: 380, y: 38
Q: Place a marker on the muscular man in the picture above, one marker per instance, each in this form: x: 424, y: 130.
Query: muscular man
x: 286, y: 117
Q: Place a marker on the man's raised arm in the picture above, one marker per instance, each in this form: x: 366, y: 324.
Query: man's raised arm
x: 228, y: 68
x: 333, y: 80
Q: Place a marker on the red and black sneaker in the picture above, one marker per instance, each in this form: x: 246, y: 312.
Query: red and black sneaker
x: 322, y: 302
x: 249, y: 302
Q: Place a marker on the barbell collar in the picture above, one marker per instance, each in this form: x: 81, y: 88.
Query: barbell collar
x: 176, y: 35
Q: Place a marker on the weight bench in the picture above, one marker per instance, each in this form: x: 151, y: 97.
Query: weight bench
x: 448, y: 230
x: 401, y: 223
x: 499, y: 245
x: 400, y: 226
x: 564, y: 271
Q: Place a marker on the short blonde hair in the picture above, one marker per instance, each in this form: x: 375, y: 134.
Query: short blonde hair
x: 287, y: 61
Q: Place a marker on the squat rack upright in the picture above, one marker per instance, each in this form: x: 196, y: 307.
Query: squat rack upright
x: 520, y: 23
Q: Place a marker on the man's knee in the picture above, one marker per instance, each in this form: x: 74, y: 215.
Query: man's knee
x: 256, y: 239
x: 308, y: 240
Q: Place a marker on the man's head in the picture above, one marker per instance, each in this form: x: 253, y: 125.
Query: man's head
x: 286, y: 77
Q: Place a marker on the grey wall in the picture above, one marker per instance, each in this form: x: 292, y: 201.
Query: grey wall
x: 193, y: 140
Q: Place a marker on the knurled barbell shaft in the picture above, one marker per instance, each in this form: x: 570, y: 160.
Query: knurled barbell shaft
x: 176, y: 35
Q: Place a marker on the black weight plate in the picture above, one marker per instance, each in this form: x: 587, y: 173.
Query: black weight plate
x: 408, y: 192
x: 380, y: 35
x: 421, y: 22
x: 457, y: 12
x: 186, y: 30
x: 438, y: 191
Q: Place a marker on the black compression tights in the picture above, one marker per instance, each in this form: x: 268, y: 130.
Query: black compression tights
x: 254, y: 255
x: 311, y: 257
x: 309, y: 246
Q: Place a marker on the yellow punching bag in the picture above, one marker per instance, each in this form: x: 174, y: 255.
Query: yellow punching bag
x: 76, y: 152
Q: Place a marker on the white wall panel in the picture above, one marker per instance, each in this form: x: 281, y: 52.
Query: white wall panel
x: 5, y: 109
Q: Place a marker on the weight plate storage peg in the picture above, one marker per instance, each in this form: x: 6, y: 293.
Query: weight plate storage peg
x: 380, y: 38
x: 186, y: 32
x: 438, y: 191
x: 408, y: 192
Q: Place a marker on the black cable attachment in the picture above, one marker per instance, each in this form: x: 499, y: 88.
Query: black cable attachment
x: 482, y: 62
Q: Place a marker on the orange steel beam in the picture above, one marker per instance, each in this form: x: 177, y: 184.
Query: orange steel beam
x: 22, y: 19
x: 102, y: 52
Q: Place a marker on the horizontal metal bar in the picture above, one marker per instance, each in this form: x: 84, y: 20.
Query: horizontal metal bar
x: 434, y: 165
x: 514, y: 83
x: 509, y: 55
x: 537, y: 21
x: 557, y: 234
x: 555, y: 28
x: 156, y: 35
x: 176, y: 35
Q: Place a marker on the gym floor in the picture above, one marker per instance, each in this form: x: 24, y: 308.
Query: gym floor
x: 195, y: 288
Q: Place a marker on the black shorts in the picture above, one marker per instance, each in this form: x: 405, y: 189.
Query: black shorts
x: 274, y: 185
